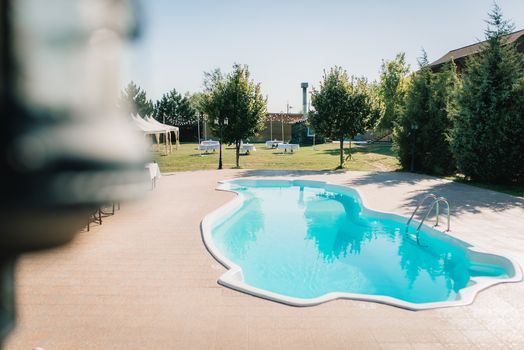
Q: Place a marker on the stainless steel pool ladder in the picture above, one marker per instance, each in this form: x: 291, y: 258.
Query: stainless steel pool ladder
x: 435, y: 203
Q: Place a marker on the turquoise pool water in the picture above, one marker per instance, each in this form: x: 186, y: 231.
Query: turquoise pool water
x: 305, y: 240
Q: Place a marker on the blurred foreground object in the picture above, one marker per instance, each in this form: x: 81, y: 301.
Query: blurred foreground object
x: 65, y: 148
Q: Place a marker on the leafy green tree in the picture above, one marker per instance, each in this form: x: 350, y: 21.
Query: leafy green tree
x: 488, y: 134
x: 235, y: 106
x: 212, y: 101
x: 420, y: 134
x: 196, y: 101
x: 392, y: 90
x: 373, y: 90
x: 342, y: 107
x: 135, y: 100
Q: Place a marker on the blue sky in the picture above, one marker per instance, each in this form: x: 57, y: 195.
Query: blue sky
x: 287, y: 42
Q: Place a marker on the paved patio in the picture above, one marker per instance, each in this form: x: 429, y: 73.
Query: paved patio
x: 144, y: 280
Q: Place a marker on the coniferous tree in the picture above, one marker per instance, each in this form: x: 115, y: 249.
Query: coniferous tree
x: 488, y: 134
x: 407, y: 141
x: 444, y: 88
x: 175, y: 109
x: 135, y: 100
x: 421, y: 133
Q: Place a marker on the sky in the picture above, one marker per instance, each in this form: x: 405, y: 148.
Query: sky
x: 286, y: 42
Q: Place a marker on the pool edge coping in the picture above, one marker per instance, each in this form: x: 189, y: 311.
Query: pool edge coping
x: 233, y: 277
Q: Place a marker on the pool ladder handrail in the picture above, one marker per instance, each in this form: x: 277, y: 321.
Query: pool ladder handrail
x: 431, y: 195
x: 436, y: 202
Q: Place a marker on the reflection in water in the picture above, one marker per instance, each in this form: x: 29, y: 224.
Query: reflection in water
x: 334, y: 223
x: 243, y: 227
x: 301, y: 196
x: 445, y: 261
x: 413, y: 263
x: 305, y: 241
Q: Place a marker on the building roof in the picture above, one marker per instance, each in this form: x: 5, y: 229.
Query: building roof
x: 474, y: 48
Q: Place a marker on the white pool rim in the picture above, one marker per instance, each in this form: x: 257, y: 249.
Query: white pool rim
x: 233, y: 278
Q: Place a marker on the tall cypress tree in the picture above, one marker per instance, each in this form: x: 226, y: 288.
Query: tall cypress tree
x: 444, y: 88
x: 488, y: 133
x: 406, y: 138
x: 421, y: 133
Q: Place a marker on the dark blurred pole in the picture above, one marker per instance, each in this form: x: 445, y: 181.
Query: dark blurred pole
x: 199, y: 116
x: 222, y: 124
x: 60, y: 160
x: 7, y: 297
x: 7, y: 261
x: 220, y: 150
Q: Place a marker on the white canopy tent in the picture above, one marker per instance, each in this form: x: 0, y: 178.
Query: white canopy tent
x: 170, y: 128
x: 149, y: 126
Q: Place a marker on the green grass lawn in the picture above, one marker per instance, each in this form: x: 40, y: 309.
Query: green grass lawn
x: 374, y: 157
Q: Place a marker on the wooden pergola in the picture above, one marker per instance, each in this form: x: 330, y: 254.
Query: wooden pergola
x: 283, y: 118
x: 288, y: 118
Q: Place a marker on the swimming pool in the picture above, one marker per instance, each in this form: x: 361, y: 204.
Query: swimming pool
x: 306, y: 242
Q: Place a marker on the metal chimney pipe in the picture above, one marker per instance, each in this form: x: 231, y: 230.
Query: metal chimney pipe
x: 304, y: 87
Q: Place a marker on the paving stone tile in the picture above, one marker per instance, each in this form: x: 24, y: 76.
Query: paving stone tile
x: 144, y: 280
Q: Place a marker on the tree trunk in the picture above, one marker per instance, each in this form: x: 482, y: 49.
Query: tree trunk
x: 341, y: 151
x: 237, y: 146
